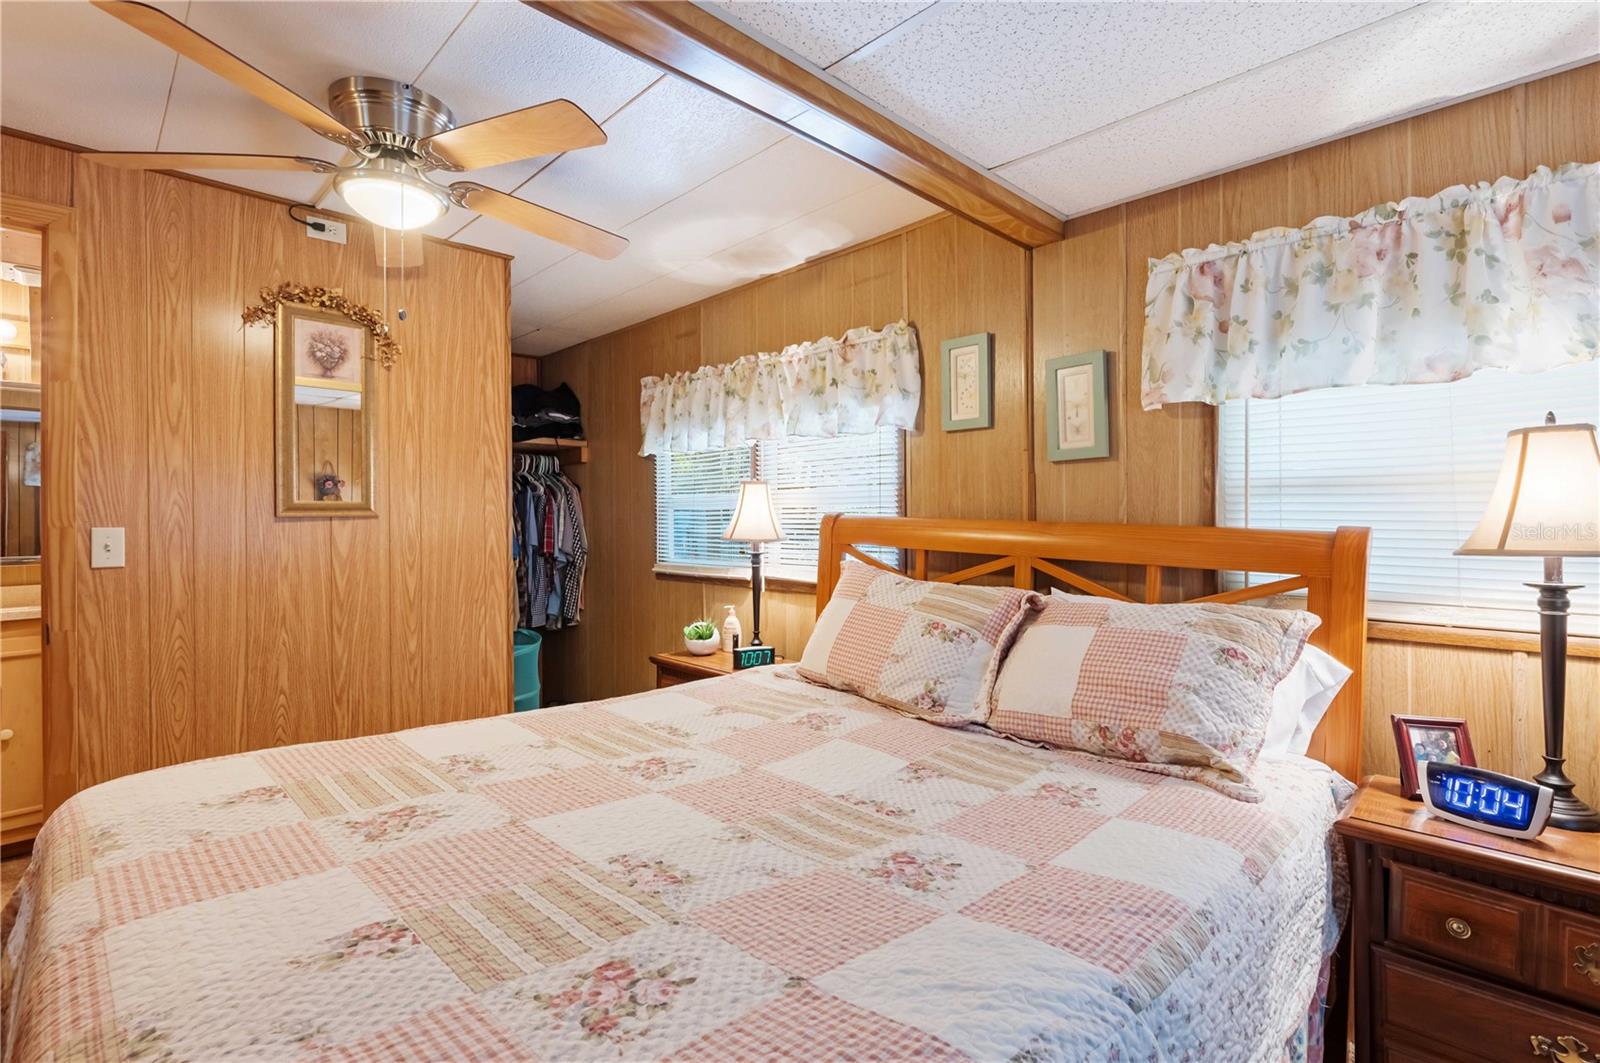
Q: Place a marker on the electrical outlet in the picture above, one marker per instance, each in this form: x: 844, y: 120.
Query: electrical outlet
x: 106, y: 548
x: 325, y: 229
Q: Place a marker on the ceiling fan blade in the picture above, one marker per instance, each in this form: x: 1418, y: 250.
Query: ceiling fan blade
x: 543, y: 129
x: 541, y: 221
x: 159, y: 25
x: 395, y: 249
x: 180, y: 160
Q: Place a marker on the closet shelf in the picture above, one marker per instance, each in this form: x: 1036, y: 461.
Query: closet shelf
x: 572, y: 451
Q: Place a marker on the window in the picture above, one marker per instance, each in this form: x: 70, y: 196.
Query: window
x: 695, y: 496
x: 1416, y: 463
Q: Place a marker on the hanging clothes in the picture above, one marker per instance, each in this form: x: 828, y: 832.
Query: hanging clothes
x: 550, y: 544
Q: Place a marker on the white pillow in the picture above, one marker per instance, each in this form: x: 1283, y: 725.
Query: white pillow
x: 1299, y: 701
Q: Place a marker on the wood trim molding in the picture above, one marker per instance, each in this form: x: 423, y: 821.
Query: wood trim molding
x: 1474, y: 638
x: 57, y: 574
x: 679, y: 37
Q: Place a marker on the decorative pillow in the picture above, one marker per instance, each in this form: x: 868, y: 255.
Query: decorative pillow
x: 929, y: 649
x: 1181, y: 689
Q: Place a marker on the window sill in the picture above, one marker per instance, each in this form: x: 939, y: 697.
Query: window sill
x: 1473, y: 638
x: 739, y: 577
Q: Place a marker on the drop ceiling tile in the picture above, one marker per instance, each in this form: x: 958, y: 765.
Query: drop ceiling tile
x: 529, y: 253
x: 999, y: 81
x: 305, y: 46
x: 1423, y: 58
x: 880, y: 208
x: 672, y: 138
x: 74, y: 73
x: 874, y: 210
x: 332, y: 40
x: 822, y: 33
x: 788, y: 180
x: 641, y: 304
x: 579, y: 281
x: 546, y: 341
x: 507, y: 56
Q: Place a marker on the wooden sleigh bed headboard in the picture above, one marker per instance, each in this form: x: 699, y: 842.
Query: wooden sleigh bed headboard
x: 1330, y: 566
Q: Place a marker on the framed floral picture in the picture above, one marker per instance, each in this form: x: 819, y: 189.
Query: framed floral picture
x: 1421, y: 739
x: 967, y: 369
x: 1077, y: 404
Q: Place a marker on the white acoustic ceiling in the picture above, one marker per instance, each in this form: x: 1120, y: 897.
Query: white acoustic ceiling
x: 710, y: 195
x: 1078, y: 105
x: 1083, y: 105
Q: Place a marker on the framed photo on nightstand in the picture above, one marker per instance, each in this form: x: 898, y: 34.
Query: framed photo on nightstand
x: 1420, y: 739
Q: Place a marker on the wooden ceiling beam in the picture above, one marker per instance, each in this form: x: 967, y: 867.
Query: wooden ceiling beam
x: 682, y: 39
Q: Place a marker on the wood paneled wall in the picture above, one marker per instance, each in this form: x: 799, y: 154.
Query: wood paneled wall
x: 1089, y: 293
x: 231, y: 628
x: 947, y: 276
x: 1083, y: 293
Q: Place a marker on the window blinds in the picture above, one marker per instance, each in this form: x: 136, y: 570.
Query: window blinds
x: 1416, y: 463
x: 696, y: 493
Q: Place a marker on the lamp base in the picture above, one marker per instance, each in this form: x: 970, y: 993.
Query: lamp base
x: 1580, y: 818
x: 1567, y: 812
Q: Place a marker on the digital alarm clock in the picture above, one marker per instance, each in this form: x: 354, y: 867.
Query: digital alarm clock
x: 752, y: 657
x: 1487, y: 800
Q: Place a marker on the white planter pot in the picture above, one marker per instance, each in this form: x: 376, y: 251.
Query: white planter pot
x: 702, y: 647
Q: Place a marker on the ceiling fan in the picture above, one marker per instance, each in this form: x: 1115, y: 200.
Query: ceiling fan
x: 400, y: 135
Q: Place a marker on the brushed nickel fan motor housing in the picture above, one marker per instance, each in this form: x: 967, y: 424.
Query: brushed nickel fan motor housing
x: 390, y: 114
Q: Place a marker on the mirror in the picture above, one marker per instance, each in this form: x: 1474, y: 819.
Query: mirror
x: 325, y: 413
x: 21, y: 374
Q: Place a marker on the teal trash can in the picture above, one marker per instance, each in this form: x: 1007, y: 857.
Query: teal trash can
x: 525, y: 668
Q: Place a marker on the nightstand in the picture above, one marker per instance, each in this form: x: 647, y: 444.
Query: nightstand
x: 675, y: 668
x: 1468, y: 947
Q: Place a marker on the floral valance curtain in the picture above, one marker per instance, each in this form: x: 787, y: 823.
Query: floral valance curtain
x: 1430, y: 289
x: 831, y: 387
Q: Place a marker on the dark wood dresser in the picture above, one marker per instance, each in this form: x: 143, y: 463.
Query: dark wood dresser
x: 1468, y: 947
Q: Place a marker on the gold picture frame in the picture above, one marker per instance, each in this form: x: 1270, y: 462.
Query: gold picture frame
x: 326, y: 414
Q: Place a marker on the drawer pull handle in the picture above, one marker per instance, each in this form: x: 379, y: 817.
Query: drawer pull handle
x: 1458, y: 928
x: 6, y: 735
x: 1588, y: 961
x: 1563, y: 1050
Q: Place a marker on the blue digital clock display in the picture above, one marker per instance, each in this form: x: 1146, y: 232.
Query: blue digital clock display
x: 1505, y: 805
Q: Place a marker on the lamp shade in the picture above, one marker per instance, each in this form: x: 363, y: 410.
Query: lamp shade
x: 1547, y: 500
x: 754, y: 519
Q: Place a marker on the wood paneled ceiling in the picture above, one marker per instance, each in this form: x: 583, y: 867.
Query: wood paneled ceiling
x: 1075, y: 105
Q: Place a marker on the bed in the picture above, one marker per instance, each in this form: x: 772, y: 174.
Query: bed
x: 750, y: 867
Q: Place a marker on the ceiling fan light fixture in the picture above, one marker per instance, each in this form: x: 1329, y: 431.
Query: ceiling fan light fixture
x: 384, y: 192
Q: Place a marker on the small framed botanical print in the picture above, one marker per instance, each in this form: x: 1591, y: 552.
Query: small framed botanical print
x: 967, y: 367
x: 1420, y: 739
x: 1076, y: 392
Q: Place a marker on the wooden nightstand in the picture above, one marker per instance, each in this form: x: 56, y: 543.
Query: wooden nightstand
x: 675, y: 668
x: 1468, y: 947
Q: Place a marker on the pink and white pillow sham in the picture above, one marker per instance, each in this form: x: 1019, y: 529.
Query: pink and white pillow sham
x: 1181, y: 689
x: 929, y: 649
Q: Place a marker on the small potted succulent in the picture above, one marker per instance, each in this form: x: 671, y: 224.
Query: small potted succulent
x: 700, y: 638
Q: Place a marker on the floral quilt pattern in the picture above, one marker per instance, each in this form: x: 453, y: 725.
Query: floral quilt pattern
x: 744, y: 867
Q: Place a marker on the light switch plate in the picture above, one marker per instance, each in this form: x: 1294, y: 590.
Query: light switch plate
x: 106, y: 548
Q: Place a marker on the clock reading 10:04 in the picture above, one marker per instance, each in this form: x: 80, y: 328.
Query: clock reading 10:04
x: 1489, y: 800
x: 1486, y: 800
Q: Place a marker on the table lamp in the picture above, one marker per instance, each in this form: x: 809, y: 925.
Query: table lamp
x: 1547, y: 504
x: 754, y: 522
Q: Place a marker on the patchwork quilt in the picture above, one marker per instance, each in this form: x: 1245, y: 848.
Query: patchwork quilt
x: 749, y: 867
